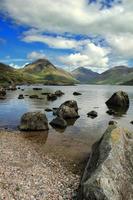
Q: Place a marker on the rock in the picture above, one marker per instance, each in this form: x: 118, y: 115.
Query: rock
x: 37, y: 88
x: 108, y: 174
x: 55, y: 111
x: 92, y: 114
x: 45, y: 93
x: 119, y: 99
x: 112, y: 122
x: 34, y: 96
x: 34, y: 121
x: 59, y: 93
x: 76, y: 93
x: 68, y: 110
x: 22, y: 89
x: 111, y: 112
x: 48, y: 110
x: 13, y: 87
x: 58, y: 123
x: 2, y: 97
x: 21, y: 96
x: 51, y: 97
x: 19, y: 88
x: 131, y: 122
x: 2, y: 92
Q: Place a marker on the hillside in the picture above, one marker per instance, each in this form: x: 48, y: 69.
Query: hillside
x: 83, y: 74
x: 44, y: 71
x: 10, y: 75
x: 128, y: 82
x: 117, y: 75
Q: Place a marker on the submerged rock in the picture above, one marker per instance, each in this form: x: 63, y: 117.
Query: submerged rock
x: 111, y: 112
x: 48, y: 110
x: 68, y: 110
x: 51, y: 97
x: 119, y: 99
x: 21, y: 96
x: 76, y: 93
x: 58, y: 123
x: 34, y: 121
x: 34, y: 96
x: 108, y: 174
x: 2, y: 91
x: 59, y: 93
x: 92, y: 114
x: 112, y: 122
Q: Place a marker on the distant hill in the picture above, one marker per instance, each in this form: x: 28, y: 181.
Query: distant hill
x: 43, y: 71
x: 116, y: 75
x: 84, y: 75
x: 10, y: 75
x: 128, y: 82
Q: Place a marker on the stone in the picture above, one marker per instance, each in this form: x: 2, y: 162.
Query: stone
x: 37, y: 88
x: 131, y: 122
x: 119, y: 99
x: 109, y: 171
x: 68, y: 110
x: 51, y: 97
x: 59, y: 93
x: 48, y: 110
x: 111, y: 112
x: 58, y: 123
x: 21, y: 96
x: 2, y: 92
x: 76, y: 93
x: 112, y: 122
x: 34, y: 96
x: 34, y: 121
x: 92, y: 114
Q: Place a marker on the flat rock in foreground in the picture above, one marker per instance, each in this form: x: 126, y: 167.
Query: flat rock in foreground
x: 109, y: 172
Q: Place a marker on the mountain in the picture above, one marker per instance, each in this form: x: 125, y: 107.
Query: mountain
x: 43, y: 71
x: 84, y: 75
x: 10, y: 75
x: 116, y: 75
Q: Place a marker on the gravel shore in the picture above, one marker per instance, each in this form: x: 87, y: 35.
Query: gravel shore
x: 26, y: 173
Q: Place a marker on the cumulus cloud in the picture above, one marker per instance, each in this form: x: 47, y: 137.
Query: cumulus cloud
x: 122, y: 45
x: 70, y: 16
x: 75, y: 17
x: 90, y: 56
x: 34, y: 55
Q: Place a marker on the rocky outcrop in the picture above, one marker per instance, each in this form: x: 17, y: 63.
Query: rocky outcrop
x: 34, y: 121
x: 119, y: 99
x: 68, y: 110
x: 109, y: 172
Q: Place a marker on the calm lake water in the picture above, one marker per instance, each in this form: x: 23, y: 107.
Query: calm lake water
x: 75, y: 141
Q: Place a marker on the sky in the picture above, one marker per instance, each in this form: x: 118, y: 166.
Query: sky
x: 96, y: 34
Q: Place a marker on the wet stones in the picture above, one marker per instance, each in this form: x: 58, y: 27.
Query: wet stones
x: 92, y: 114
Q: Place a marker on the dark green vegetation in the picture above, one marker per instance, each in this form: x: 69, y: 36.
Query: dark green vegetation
x: 120, y: 75
x: 40, y: 71
x: 84, y: 75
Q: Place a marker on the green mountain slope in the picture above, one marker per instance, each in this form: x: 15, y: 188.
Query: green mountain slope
x: 84, y: 75
x: 117, y: 75
x: 44, y: 71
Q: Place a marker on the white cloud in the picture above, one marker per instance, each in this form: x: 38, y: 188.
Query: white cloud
x: 122, y: 45
x: 90, y: 56
x: 70, y: 16
x: 54, y: 42
x: 34, y: 55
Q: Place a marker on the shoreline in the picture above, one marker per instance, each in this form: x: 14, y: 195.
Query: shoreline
x: 28, y: 173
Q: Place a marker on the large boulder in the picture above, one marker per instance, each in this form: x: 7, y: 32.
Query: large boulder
x: 109, y: 172
x: 68, y: 110
x: 34, y: 121
x: 119, y: 99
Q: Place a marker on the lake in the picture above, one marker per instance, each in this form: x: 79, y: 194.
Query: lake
x: 75, y: 141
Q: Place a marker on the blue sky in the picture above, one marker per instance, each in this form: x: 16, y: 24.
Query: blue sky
x: 97, y: 34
